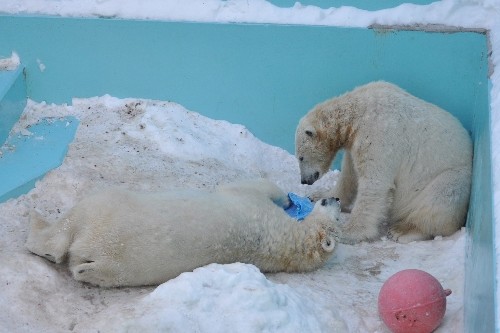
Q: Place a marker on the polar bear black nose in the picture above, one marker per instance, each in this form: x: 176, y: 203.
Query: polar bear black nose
x: 329, y: 201
x: 311, y: 179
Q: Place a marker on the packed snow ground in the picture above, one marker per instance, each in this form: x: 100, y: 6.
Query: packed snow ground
x: 152, y: 145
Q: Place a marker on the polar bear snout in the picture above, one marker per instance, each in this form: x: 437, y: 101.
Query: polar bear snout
x: 330, y: 201
x: 329, y: 205
x: 310, y: 179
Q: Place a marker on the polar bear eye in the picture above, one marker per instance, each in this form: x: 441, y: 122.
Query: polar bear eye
x: 324, y: 202
x: 309, y: 133
x: 301, y: 158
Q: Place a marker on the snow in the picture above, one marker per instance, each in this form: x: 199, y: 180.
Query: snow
x: 229, y: 298
x: 11, y: 63
x: 465, y: 13
x: 151, y: 145
x: 155, y: 145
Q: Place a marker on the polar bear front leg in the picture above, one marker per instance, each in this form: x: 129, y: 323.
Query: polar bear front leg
x: 347, y: 185
x: 368, y: 213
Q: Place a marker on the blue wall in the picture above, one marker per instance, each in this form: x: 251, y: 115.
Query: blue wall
x: 480, y: 260
x: 263, y: 76
x: 362, y: 4
x: 12, y: 100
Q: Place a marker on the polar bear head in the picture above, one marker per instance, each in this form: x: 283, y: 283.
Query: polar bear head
x: 315, y: 243
x: 314, y: 150
x: 326, y: 212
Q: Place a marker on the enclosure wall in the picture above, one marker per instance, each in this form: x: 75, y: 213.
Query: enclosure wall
x: 266, y: 77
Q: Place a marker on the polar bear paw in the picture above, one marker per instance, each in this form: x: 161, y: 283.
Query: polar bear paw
x: 90, y: 272
x: 399, y: 236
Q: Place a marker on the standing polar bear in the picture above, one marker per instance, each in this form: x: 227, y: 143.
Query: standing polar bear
x: 407, y: 163
x: 123, y: 238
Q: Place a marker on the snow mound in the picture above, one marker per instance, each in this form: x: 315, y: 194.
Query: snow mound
x: 221, y: 298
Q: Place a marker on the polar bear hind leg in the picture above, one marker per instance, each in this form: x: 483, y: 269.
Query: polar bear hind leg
x: 90, y: 272
x: 101, y: 272
x: 439, y: 210
x: 405, y: 233
x: 48, y: 240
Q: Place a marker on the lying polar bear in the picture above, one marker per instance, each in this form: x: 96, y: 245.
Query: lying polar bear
x: 122, y: 238
x: 407, y: 163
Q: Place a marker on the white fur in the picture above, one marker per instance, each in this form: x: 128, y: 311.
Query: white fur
x: 407, y: 163
x: 123, y: 238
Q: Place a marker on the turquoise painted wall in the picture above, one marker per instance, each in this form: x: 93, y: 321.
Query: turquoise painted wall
x: 266, y: 77
x: 263, y: 76
x: 480, y: 280
x: 12, y: 99
x: 362, y: 4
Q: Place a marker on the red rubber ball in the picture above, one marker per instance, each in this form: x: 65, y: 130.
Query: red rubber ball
x: 412, y: 301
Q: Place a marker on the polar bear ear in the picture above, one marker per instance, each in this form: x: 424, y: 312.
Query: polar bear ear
x: 328, y: 244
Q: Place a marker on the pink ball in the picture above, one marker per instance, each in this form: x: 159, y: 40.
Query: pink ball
x: 412, y: 301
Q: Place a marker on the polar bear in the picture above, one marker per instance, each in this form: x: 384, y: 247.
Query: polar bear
x: 123, y: 238
x: 407, y: 163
